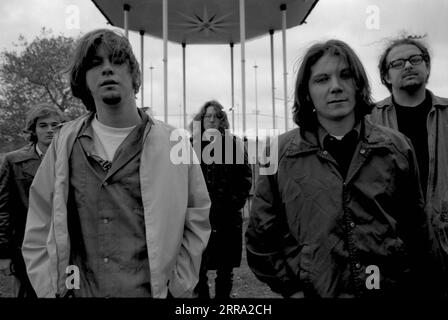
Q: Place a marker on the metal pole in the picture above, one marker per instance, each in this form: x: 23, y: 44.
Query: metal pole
x: 165, y: 59
x: 152, y: 104
x: 126, y: 9
x: 243, y: 62
x: 256, y: 101
x: 271, y: 32
x: 184, y: 85
x: 238, y: 120
x: 142, y: 64
x: 285, y: 74
x: 232, y: 86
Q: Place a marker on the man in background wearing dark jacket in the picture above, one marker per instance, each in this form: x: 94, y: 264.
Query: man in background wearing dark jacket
x: 16, y: 174
x: 228, y: 183
x: 415, y: 111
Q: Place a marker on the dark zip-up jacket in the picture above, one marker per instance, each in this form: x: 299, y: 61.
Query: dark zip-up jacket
x: 313, y: 231
x: 16, y: 175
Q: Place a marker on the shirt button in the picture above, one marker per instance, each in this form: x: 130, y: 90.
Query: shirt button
x: 352, y: 224
x: 362, y: 151
x: 105, y: 184
x: 105, y: 221
x: 325, y: 152
x: 357, y: 266
x: 106, y: 260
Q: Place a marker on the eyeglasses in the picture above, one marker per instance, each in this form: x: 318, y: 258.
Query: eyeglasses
x: 415, y: 59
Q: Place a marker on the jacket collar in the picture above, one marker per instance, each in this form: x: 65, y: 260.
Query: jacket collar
x: 26, y: 153
x: 304, y: 141
x: 373, y: 135
x: 322, y: 133
x: 86, y: 128
x: 436, y: 101
x: 38, y: 151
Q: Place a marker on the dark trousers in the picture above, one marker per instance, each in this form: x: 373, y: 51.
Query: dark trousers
x: 223, y: 283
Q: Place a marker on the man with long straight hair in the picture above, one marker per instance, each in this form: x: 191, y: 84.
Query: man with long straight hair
x: 343, y: 215
x: 108, y: 201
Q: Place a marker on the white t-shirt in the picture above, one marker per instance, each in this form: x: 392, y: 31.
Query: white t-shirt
x: 107, y: 139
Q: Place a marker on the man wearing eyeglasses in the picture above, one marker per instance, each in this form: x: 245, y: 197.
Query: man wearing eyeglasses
x: 423, y: 117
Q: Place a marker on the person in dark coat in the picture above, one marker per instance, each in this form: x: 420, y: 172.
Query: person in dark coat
x: 16, y: 175
x: 343, y: 215
x: 228, y: 178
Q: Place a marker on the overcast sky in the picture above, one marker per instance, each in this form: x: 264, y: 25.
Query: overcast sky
x: 208, y: 67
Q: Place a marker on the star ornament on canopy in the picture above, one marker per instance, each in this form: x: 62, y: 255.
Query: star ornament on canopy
x: 205, y: 21
x: 205, y: 24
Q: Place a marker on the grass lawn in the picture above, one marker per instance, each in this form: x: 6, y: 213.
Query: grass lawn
x: 245, y: 284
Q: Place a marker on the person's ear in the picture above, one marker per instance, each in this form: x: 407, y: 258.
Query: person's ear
x: 387, y: 78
